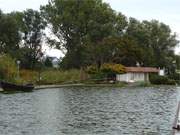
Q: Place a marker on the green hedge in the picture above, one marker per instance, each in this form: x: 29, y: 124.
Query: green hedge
x: 155, y: 79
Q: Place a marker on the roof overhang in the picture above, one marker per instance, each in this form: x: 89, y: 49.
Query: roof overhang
x: 142, y: 69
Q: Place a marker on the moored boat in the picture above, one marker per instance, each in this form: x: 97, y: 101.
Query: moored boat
x: 6, y: 86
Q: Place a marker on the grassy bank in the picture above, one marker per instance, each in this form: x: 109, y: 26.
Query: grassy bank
x: 55, y: 77
x: 50, y: 76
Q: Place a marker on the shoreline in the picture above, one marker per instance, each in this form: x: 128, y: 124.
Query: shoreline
x: 38, y: 87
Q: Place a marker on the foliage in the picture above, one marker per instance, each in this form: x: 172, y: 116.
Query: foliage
x: 78, y: 23
x: 175, y: 76
x: 9, y: 34
x: 58, y: 76
x: 31, y: 29
x: 177, y: 60
x: 92, y: 69
x: 155, y: 79
x: 51, y: 76
x: 8, y: 68
x: 48, y: 62
x: 91, y: 33
x: 156, y: 40
x: 105, y: 72
x: 122, y: 50
x: 109, y: 68
x: 106, y: 68
x: 29, y: 75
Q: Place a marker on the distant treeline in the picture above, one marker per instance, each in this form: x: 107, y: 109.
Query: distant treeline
x: 90, y: 32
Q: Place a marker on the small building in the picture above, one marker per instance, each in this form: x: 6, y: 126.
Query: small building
x: 53, y: 60
x: 162, y: 72
x: 136, y: 74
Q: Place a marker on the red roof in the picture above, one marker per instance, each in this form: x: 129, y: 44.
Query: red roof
x: 141, y: 69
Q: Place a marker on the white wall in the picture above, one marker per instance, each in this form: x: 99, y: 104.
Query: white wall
x: 130, y: 77
x: 162, y: 72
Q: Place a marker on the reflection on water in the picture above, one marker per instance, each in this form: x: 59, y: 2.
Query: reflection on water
x: 89, y: 111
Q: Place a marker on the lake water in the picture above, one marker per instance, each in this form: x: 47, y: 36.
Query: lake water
x: 89, y: 111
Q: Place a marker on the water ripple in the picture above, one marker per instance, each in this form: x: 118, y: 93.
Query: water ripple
x: 89, y: 111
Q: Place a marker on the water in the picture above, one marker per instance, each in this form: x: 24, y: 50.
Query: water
x: 89, y: 111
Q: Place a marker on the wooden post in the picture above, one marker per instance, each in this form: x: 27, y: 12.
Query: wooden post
x: 82, y: 74
x: 176, y: 124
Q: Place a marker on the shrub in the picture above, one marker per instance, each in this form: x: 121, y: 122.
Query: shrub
x: 107, y: 68
x: 175, y: 76
x: 8, y: 68
x: 106, y: 72
x: 171, y: 82
x: 92, y: 69
x: 110, y: 68
x: 155, y: 79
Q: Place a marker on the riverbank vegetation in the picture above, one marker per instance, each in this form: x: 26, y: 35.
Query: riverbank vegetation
x: 51, y: 76
x: 91, y: 34
x: 8, y: 68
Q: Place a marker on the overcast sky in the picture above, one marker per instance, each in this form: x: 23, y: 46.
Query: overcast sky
x: 166, y: 11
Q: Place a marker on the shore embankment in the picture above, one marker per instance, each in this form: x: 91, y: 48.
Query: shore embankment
x: 39, y: 87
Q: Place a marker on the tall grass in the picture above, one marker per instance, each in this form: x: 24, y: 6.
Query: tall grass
x: 8, y: 68
x: 51, y: 76
x: 29, y: 76
x: 59, y: 76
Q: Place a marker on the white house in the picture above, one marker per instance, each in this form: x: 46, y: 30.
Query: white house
x: 54, y: 60
x: 135, y: 74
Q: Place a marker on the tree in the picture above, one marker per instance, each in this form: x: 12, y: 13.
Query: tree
x: 31, y: 26
x: 156, y: 40
x: 162, y: 42
x: 9, y: 34
x: 121, y: 50
x: 79, y: 23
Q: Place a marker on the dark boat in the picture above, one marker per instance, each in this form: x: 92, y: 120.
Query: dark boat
x: 6, y: 86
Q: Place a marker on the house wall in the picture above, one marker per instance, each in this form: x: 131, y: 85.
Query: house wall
x: 132, y: 77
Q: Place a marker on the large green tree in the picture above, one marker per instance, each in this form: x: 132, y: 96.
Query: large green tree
x: 121, y: 50
x: 77, y: 23
x: 9, y: 34
x: 157, y: 41
x: 31, y: 25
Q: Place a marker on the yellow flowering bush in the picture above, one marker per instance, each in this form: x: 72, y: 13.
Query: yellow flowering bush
x: 111, y: 68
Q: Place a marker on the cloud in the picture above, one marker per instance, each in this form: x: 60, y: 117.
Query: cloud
x: 20, y: 5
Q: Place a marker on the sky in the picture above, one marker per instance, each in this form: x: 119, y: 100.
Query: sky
x: 166, y: 11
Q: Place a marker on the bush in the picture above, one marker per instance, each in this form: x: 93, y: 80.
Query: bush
x: 155, y: 79
x: 92, y: 69
x: 109, y: 68
x: 8, y: 68
x: 175, y: 76
x: 106, y: 71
